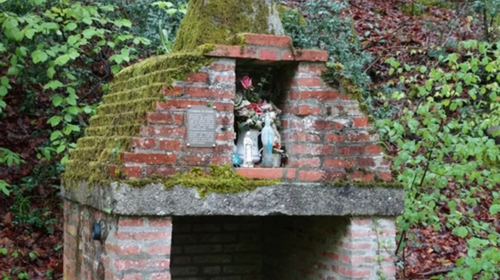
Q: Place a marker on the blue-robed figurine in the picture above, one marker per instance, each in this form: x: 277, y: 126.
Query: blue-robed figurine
x: 267, y: 137
x: 237, y: 161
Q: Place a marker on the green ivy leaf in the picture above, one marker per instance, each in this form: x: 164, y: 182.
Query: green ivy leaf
x: 39, y: 56
x: 13, y: 71
x: 70, y: 26
x: 460, y: 232
x: 54, y: 84
x: 54, y: 120
x: 50, y: 72
x: 57, y: 100
x: 494, y: 209
x: 3, y: 91
x: 62, y: 60
x: 73, y: 110
x: 55, y: 134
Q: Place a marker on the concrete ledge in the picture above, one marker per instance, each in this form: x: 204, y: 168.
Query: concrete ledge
x: 283, y: 199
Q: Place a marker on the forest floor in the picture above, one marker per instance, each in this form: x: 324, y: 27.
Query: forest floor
x: 35, y: 239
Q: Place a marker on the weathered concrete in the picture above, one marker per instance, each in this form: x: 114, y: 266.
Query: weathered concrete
x: 283, y: 199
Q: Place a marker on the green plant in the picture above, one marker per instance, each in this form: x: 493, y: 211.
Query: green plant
x: 445, y: 158
x: 327, y: 28
x: 166, y: 31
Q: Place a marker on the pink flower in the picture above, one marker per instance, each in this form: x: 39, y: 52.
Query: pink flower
x: 246, y: 82
x: 255, y: 107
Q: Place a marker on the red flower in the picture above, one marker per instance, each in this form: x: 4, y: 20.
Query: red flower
x: 277, y: 145
x: 246, y: 82
x: 255, y: 107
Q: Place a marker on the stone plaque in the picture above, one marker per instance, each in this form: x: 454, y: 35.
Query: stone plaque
x: 201, y: 126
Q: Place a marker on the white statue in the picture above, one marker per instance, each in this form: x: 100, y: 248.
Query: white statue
x: 268, y: 139
x: 248, y: 144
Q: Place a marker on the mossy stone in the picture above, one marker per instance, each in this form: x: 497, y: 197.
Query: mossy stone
x: 214, y: 21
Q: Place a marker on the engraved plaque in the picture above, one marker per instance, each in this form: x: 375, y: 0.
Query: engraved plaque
x: 201, y: 126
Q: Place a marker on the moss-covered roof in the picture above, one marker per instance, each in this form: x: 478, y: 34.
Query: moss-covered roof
x: 134, y: 92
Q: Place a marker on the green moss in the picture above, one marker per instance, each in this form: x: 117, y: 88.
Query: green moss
x: 134, y: 92
x: 290, y: 15
x: 219, y: 179
x: 214, y: 21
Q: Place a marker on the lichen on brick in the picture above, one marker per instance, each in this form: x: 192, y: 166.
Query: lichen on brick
x: 134, y: 92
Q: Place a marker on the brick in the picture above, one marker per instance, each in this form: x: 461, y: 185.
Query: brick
x: 310, y: 176
x: 233, y: 51
x: 212, y: 270
x: 164, y: 118
x: 307, y: 82
x: 266, y: 54
x: 360, y: 176
x: 330, y: 255
x: 354, y: 272
x: 268, y: 40
x: 124, y: 249
x: 143, y: 236
x: 155, y: 159
x: 170, y: 145
x: 132, y: 171
x: 164, y: 171
x: 303, y: 110
x: 351, y: 150
x: 314, y: 68
x: 121, y: 265
x: 130, y: 222
x: 228, y: 136
x: 327, y: 125
x: 223, y: 79
x: 303, y: 162
x: 311, y: 149
x: 305, y: 55
x: 336, y: 163
x: 171, y: 132
x: 180, y: 260
x: 301, y: 137
x: 179, y: 271
x: 157, y: 222
x: 203, y: 249
x: 197, y: 78
x: 358, y: 137
x: 385, y: 176
x: 158, y: 250
x: 160, y: 276
x: 175, y: 91
x: 221, y: 160
x: 207, y: 228
x: 173, y: 104
x: 194, y: 160
x: 144, y: 143
x: 360, y: 122
x: 325, y: 95
x: 241, y: 269
x: 365, y: 162
x: 261, y: 173
x: 356, y: 246
x: 194, y: 91
x: 373, y: 149
x: 221, y: 67
x: 290, y: 173
x: 224, y: 106
x: 212, y: 259
x: 334, y: 137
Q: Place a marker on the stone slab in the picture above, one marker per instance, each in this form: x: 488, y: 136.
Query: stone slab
x: 293, y: 199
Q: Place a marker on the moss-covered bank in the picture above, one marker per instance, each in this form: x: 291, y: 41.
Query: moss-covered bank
x: 134, y: 92
x: 218, y: 179
x: 214, y: 21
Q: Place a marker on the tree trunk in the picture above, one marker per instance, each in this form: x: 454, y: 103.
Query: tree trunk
x: 215, y: 21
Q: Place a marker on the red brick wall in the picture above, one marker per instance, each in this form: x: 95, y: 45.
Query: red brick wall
x: 223, y: 248
x: 328, y: 248
x: 135, y: 248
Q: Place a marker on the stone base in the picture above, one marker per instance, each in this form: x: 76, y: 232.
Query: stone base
x: 225, y: 247
x: 294, y: 199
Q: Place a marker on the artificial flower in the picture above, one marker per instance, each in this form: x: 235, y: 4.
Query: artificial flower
x: 256, y: 108
x: 246, y: 82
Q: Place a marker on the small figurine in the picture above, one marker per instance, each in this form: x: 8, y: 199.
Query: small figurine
x: 267, y: 137
x: 248, y: 144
